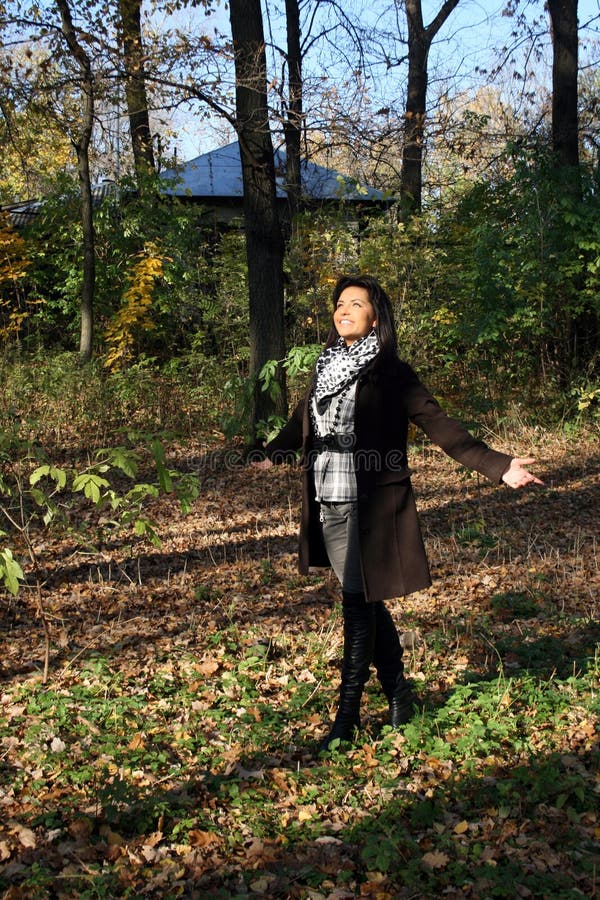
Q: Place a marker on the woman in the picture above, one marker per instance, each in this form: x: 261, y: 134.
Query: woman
x: 358, y: 511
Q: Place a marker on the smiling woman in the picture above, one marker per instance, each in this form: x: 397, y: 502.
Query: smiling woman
x: 354, y: 316
x: 358, y: 513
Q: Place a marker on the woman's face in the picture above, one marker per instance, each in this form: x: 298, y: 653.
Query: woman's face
x: 354, y: 316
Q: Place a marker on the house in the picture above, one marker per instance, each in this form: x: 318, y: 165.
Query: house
x: 215, y: 180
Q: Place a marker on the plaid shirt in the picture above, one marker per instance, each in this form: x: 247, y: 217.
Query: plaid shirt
x: 335, y: 478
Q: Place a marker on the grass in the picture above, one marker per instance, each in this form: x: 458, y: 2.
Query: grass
x: 204, y: 767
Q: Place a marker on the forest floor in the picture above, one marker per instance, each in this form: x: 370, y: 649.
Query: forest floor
x: 171, y: 750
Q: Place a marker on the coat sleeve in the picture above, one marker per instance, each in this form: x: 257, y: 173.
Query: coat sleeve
x: 450, y: 435
x: 283, y: 447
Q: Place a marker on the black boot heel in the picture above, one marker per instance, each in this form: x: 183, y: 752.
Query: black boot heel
x: 404, y: 704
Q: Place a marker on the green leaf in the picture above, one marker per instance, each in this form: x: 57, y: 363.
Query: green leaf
x: 125, y: 460
x: 164, y: 476
x: 114, y: 499
x: 144, y: 528
x: 57, y: 475
x: 40, y: 472
x: 38, y: 496
x: 91, y: 485
x: 48, y: 515
x: 139, y: 492
x: 188, y: 488
x: 10, y: 571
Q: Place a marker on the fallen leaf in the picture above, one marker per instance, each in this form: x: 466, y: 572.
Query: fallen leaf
x: 307, y: 812
x: 137, y: 742
x: 25, y: 835
x: 262, y: 885
x: 198, y: 838
x: 435, y: 859
x: 208, y: 666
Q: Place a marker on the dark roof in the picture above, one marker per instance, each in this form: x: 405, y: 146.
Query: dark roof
x: 22, y: 214
x: 218, y: 174
x: 25, y: 213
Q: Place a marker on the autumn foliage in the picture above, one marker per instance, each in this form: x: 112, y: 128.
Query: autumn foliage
x: 14, y: 263
x: 134, y: 318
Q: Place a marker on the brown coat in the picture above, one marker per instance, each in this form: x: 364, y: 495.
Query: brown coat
x: 392, y: 552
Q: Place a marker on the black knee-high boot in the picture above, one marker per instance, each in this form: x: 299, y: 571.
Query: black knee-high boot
x: 387, y: 658
x: 359, y: 632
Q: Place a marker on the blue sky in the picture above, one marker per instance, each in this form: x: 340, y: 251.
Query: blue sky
x: 474, y: 30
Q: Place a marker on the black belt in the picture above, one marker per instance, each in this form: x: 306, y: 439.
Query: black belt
x: 341, y: 443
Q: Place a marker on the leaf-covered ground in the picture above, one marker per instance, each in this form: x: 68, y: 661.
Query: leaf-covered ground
x: 171, y: 751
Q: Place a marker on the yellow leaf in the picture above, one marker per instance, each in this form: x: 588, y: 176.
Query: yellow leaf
x: 461, y: 827
x: 136, y: 742
x: 306, y: 812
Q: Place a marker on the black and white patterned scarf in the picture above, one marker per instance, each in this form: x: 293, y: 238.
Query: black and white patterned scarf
x: 340, y: 365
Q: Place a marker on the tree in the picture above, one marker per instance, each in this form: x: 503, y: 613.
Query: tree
x: 419, y: 43
x: 582, y: 324
x: 81, y: 143
x: 565, y: 42
x: 292, y: 124
x: 264, y: 244
x: 135, y: 88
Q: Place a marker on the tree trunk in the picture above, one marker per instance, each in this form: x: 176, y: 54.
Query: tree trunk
x: 292, y: 126
x: 578, y: 337
x: 81, y: 142
x: 565, y: 121
x: 414, y: 116
x: 135, y: 89
x: 264, y: 244
x: 86, y: 336
x: 419, y: 43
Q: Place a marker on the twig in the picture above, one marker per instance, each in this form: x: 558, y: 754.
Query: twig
x: 46, y: 627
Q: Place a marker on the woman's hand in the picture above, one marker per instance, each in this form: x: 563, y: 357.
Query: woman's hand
x: 517, y: 476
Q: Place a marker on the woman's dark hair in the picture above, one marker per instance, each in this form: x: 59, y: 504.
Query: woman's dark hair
x: 385, y: 328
